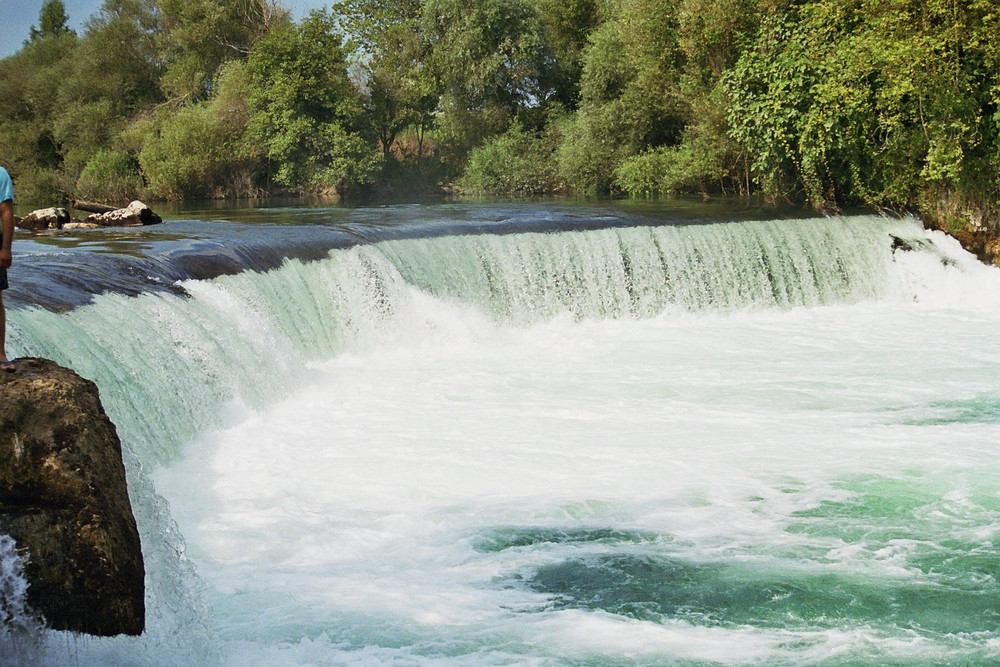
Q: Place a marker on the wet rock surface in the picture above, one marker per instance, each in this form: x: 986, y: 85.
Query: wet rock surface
x: 63, y: 499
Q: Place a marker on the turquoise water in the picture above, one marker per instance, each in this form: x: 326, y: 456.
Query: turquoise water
x: 750, y: 443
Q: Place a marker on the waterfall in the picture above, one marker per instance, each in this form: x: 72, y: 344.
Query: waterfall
x: 642, y: 271
x: 168, y: 362
x: 165, y: 363
x: 20, y: 629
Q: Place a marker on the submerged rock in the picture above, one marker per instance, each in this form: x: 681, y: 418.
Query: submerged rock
x: 64, y: 501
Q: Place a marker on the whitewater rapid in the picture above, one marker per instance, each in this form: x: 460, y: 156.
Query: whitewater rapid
x: 736, y: 444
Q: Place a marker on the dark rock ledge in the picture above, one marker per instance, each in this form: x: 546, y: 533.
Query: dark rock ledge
x: 64, y: 501
x: 983, y: 243
x: 977, y: 231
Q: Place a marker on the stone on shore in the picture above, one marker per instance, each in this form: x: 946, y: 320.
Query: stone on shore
x: 64, y: 500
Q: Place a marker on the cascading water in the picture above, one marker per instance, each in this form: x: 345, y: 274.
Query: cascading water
x: 739, y: 443
x: 20, y: 629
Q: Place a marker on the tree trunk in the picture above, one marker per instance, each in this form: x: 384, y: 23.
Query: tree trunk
x: 92, y: 207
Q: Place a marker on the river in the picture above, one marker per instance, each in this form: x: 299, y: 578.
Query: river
x: 548, y: 434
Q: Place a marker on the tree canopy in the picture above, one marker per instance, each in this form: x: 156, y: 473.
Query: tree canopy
x: 830, y: 102
x: 52, y: 21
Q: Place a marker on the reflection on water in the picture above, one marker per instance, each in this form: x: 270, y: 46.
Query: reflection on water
x: 131, y: 241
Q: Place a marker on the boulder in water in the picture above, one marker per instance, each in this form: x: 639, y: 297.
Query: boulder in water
x: 45, y: 218
x: 64, y: 501
x: 135, y: 214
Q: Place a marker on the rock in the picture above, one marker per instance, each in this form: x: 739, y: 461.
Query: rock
x: 81, y: 225
x: 45, y: 218
x: 983, y: 243
x: 134, y: 215
x: 63, y: 499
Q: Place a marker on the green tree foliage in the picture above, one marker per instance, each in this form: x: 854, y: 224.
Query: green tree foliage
x: 490, y: 59
x: 486, y: 53
x: 113, y: 74
x: 198, y: 36
x: 304, y: 108
x: 706, y: 158
x: 565, y: 27
x: 398, y: 91
x: 30, y: 84
x: 189, y: 154
x: 110, y: 176
x: 631, y: 95
x: 883, y: 102
x: 52, y: 21
x: 886, y: 102
x: 202, y: 149
x: 515, y: 163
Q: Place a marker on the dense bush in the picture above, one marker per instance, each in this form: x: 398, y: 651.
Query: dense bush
x: 39, y: 185
x: 190, y: 154
x: 516, y: 163
x: 110, y: 176
x: 854, y: 101
x: 706, y: 159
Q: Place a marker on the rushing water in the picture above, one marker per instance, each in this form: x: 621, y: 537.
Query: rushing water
x: 540, y: 435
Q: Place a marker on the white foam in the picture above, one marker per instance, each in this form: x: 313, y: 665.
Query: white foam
x: 358, y: 495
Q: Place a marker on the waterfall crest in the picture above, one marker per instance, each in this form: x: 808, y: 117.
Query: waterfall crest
x: 167, y: 362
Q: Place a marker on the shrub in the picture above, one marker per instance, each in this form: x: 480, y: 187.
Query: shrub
x: 591, y: 148
x: 707, y: 159
x: 110, y: 176
x: 515, y: 163
x: 38, y: 186
x: 197, y: 152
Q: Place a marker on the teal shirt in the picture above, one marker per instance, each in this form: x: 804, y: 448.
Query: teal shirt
x: 6, y: 186
x: 6, y: 194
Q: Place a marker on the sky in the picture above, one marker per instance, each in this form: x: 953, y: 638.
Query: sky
x: 17, y: 17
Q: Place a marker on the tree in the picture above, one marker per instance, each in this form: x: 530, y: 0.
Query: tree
x: 30, y: 82
x: 487, y: 53
x: 886, y: 103
x: 198, y: 36
x: 52, y: 20
x: 490, y: 59
x: 513, y: 164
x: 114, y: 73
x: 566, y: 27
x: 304, y: 109
x: 397, y: 85
x: 631, y: 97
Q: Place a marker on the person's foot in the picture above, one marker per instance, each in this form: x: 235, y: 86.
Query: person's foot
x: 7, y: 366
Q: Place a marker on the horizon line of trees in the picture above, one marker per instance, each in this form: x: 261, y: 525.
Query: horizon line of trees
x: 890, y: 103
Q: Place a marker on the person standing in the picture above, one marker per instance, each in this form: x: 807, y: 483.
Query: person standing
x: 6, y: 238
